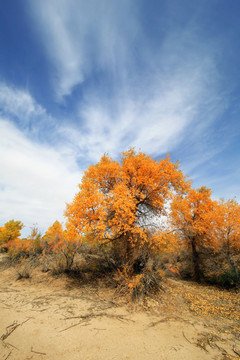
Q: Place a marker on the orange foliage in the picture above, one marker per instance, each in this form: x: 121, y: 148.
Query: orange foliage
x: 121, y: 201
x: 57, y: 238
x: 164, y: 242
x: 194, y: 216
x: 54, y: 235
x: 63, y: 242
x: 25, y: 247
x: 19, y: 247
x: 228, y: 230
x: 10, y: 231
x: 210, y: 223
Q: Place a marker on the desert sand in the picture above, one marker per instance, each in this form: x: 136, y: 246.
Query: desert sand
x: 50, y: 318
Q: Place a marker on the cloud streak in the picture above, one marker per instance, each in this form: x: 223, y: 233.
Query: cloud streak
x: 156, y: 120
x: 18, y: 103
x: 83, y: 36
x: 149, y: 98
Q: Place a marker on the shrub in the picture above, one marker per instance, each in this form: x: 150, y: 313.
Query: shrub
x: 140, y: 286
x: 24, y: 269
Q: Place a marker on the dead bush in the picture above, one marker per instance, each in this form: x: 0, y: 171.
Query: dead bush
x: 58, y: 264
x: 24, y: 269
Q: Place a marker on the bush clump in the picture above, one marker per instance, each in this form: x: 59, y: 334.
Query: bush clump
x: 140, y: 286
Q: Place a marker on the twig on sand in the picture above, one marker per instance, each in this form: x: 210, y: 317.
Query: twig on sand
x: 186, y: 338
x: 91, y: 315
x: 37, y: 352
x: 163, y: 320
x: 236, y: 351
x: 8, y: 344
x: 8, y: 333
x: 69, y: 327
x: 10, y: 329
x: 168, y: 319
x: 88, y: 316
x: 8, y: 355
x: 14, y: 323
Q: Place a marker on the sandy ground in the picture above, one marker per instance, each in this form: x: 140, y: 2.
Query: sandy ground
x: 56, y: 318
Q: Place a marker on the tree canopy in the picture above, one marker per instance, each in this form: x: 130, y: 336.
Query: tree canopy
x: 193, y: 216
x: 122, y: 201
x: 10, y: 231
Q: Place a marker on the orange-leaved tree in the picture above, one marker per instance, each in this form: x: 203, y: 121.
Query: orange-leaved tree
x: 119, y: 203
x: 30, y: 246
x: 194, y: 217
x: 230, y: 223
x: 64, y: 242
x: 10, y: 231
x: 54, y: 234
x: 228, y: 230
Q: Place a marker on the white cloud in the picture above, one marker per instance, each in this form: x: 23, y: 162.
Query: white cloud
x: 82, y: 35
x: 18, y: 103
x: 156, y: 120
x: 150, y: 107
x: 36, y: 180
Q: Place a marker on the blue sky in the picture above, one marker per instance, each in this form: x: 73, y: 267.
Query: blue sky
x: 82, y: 78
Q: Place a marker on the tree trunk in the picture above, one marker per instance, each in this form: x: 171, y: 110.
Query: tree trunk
x: 231, y: 261
x: 195, y: 260
x: 129, y: 254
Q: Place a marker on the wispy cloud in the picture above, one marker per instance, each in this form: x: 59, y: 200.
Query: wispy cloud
x: 18, y: 106
x: 156, y: 97
x: 156, y: 120
x: 83, y: 36
x: 18, y: 103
